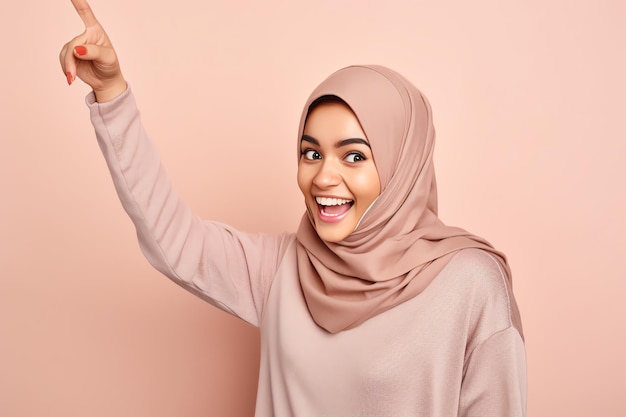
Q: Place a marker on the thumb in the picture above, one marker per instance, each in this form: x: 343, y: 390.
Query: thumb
x: 97, y: 53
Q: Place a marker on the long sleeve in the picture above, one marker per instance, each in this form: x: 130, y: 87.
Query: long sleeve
x: 494, y: 369
x: 227, y: 268
x: 495, y: 379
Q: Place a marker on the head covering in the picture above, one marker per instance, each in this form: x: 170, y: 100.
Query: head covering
x: 400, y: 245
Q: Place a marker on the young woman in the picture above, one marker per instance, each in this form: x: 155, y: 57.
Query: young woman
x: 374, y: 307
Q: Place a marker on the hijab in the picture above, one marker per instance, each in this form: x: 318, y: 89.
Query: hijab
x: 399, y: 245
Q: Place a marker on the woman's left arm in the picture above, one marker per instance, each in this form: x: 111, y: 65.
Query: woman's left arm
x: 495, y: 381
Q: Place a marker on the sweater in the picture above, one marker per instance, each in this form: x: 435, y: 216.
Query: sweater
x: 453, y: 350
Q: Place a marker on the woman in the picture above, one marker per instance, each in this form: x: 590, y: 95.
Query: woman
x: 374, y: 307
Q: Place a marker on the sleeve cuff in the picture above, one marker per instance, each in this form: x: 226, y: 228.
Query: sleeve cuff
x: 90, y: 99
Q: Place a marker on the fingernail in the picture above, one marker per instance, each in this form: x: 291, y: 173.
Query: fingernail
x: 69, y: 78
x: 80, y: 50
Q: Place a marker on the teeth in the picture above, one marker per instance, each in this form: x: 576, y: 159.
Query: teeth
x: 331, y: 201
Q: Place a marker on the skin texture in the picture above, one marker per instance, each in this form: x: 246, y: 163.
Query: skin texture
x: 90, y: 56
x: 332, y: 165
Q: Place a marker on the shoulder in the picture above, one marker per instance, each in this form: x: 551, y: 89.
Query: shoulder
x: 486, y: 289
x: 477, y: 263
x: 479, y: 271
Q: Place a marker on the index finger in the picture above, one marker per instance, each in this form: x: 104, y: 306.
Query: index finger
x: 85, y: 13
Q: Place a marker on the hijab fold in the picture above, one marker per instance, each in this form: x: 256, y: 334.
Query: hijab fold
x: 400, y: 245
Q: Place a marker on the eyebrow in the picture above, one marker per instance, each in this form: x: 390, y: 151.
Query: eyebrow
x: 307, y: 138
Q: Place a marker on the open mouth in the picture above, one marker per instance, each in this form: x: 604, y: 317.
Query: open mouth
x: 332, y: 210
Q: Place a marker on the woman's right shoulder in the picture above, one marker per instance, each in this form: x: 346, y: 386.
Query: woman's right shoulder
x: 267, y: 244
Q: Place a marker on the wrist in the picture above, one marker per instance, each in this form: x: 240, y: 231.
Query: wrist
x: 110, y: 92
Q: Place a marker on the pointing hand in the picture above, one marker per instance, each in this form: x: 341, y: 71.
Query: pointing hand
x: 90, y: 56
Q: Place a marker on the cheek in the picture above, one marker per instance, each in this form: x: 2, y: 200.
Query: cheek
x: 367, y: 184
x: 303, y: 183
x: 305, y: 189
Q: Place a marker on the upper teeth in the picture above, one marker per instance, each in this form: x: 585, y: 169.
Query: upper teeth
x: 331, y: 201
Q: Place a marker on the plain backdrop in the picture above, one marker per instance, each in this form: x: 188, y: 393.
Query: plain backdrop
x: 528, y: 100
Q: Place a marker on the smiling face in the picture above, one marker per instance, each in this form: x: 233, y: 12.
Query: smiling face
x: 336, y: 171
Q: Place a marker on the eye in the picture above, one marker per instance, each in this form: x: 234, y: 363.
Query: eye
x: 355, y: 157
x: 311, y: 154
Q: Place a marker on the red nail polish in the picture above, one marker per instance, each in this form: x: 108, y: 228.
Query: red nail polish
x: 69, y: 78
x: 80, y: 50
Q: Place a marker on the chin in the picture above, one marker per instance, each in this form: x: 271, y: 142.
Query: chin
x: 328, y: 239
x: 332, y: 236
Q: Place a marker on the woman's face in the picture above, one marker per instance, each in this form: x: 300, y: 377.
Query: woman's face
x: 336, y: 172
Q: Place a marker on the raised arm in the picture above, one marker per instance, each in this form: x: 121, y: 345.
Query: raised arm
x: 90, y: 56
x: 228, y: 268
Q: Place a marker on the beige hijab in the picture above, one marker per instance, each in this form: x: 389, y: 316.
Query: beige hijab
x: 400, y: 245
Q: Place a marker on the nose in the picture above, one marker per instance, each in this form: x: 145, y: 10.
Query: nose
x: 327, y: 176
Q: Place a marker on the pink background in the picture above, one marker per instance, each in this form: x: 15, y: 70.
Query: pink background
x: 529, y: 106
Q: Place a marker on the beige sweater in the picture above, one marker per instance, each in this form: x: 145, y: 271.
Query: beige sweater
x: 451, y: 351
